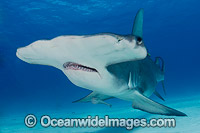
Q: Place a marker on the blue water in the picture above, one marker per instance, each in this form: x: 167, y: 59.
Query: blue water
x: 171, y: 30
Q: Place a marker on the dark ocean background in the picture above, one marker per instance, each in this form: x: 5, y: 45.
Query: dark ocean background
x: 171, y: 30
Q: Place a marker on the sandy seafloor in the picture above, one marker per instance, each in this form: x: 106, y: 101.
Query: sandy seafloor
x: 188, y: 105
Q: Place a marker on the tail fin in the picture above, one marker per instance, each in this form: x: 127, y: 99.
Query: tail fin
x: 163, y: 86
x: 158, y: 95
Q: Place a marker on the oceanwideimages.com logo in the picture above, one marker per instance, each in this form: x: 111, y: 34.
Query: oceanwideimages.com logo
x: 129, y: 123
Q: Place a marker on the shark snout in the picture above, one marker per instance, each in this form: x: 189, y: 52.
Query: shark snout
x: 22, y: 53
x: 27, y: 54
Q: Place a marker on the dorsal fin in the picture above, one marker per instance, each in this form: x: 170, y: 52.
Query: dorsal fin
x: 138, y: 24
x: 158, y: 95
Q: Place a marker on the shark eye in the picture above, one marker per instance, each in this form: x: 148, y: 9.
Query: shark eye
x: 139, y: 40
x: 119, y: 39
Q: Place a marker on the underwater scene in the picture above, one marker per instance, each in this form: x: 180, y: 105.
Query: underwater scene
x: 99, y: 66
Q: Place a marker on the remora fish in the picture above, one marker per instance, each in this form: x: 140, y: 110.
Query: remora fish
x: 108, y: 64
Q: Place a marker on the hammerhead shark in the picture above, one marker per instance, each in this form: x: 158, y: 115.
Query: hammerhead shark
x: 111, y: 65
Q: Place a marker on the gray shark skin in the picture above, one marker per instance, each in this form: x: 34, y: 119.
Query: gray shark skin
x: 108, y: 64
x: 142, y: 75
x: 138, y: 80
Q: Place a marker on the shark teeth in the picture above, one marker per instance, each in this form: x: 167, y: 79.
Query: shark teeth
x: 75, y: 66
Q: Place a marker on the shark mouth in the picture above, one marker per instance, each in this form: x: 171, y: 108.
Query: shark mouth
x: 75, y: 66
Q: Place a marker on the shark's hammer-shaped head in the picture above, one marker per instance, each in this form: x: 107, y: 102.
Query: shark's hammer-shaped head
x: 84, y: 58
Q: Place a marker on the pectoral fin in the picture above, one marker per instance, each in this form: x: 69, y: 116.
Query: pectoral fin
x: 95, y: 98
x: 145, y: 104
